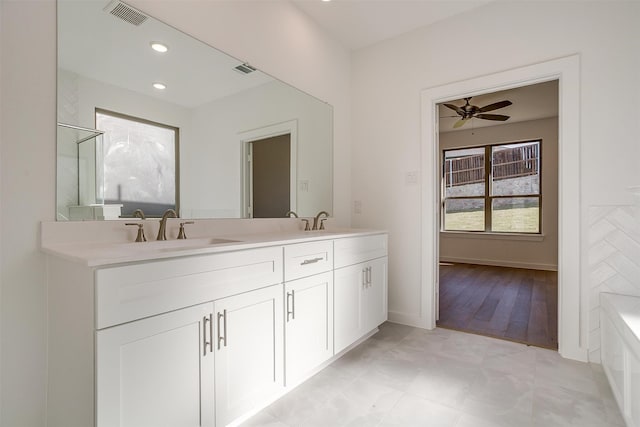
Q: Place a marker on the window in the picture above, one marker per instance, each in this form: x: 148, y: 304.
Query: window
x: 494, y: 188
x: 139, y: 163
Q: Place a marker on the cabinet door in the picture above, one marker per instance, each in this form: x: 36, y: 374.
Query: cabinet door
x: 249, y: 351
x: 309, y: 324
x: 349, y: 315
x: 376, y: 293
x: 148, y: 372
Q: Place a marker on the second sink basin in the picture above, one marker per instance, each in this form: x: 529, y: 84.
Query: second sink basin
x: 173, y: 245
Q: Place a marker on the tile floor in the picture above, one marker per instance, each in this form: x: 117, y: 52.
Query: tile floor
x: 405, y: 376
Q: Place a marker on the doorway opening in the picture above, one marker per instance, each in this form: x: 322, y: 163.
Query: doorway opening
x: 498, y: 234
x: 269, y: 156
x: 269, y: 176
x: 572, y: 302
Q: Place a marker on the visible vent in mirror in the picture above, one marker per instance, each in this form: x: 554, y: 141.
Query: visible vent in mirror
x: 125, y: 12
x: 244, y: 68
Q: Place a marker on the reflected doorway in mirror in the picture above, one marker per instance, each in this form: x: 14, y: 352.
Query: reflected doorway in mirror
x: 270, y: 170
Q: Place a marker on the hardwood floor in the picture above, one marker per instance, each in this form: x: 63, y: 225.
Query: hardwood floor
x: 510, y: 303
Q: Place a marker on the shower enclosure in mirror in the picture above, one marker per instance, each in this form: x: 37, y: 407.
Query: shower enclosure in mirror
x: 118, y: 61
x: 79, y: 176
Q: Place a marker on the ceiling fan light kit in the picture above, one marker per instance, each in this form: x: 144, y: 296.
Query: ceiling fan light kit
x: 468, y: 111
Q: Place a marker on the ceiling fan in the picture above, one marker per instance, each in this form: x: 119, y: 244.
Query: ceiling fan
x: 468, y: 111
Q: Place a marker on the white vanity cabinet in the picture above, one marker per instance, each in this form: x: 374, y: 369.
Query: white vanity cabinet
x: 360, y: 287
x: 248, y: 342
x: 157, y: 371
x: 204, y: 339
x: 308, y: 271
x: 309, y: 325
x: 137, y: 344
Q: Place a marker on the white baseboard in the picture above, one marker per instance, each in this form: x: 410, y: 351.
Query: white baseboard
x: 513, y: 264
x: 406, y: 319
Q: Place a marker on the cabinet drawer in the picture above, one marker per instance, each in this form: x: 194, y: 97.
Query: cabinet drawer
x: 132, y: 292
x: 354, y: 250
x: 306, y: 259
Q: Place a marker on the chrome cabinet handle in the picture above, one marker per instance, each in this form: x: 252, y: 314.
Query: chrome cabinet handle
x: 293, y: 304
x: 366, y: 277
x: 222, y: 338
x: 291, y: 309
x: 205, y: 343
x: 211, y: 332
x: 311, y: 261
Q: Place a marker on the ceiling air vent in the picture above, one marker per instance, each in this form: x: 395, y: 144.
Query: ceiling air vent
x: 244, y: 68
x: 125, y: 12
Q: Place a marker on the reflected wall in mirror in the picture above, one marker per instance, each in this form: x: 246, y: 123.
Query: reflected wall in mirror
x: 221, y: 109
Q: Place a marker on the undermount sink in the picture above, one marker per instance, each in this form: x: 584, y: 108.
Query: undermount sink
x: 172, y: 245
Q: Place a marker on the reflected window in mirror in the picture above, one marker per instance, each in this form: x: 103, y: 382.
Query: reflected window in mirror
x: 139, y: 163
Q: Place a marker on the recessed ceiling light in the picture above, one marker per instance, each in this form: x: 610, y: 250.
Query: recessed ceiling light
x: 160, y: 86
x: 326, y: 1
x: 159, y: 47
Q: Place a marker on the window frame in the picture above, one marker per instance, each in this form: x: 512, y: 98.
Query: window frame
x: 157, y: 124
x: 488, y: 197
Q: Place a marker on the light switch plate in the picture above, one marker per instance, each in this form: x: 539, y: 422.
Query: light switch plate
x: 411, y: 178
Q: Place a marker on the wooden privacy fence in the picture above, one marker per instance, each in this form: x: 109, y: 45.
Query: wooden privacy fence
x: 508, y: 163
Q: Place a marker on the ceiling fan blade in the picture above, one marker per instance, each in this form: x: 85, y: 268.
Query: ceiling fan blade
x: 495, y: 106
x: 499, y: 117
x: 455, y: 108
x: 460, y: 123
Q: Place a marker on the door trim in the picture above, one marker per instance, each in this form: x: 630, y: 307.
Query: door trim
x: 247, y: 137
x: 572, y: 338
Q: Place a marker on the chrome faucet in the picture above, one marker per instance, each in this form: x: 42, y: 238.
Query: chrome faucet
x: 162, y: 231
x: 139, y: 213
x: 289, y: 213
x: 317, y: 217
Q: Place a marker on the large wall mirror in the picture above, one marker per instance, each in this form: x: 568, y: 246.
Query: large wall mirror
x: 150, y: 118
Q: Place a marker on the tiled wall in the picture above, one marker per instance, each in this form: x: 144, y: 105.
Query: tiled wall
x: 613, y: 261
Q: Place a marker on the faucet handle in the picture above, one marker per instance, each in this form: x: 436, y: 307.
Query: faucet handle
x: 181, y: 233
x: 322, y: 224
x: 139, y: 213
x: 306, y: 224
x: 140, y: 237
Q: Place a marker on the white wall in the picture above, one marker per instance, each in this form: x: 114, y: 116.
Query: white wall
x: 27, y: 197
x: 389, y: 77
x: 517, y: 252
x: 276, y: 37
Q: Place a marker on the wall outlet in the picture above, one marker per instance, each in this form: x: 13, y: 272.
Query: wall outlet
x: 357, y: 206
x: 304, y: 185
x: 411, y: 178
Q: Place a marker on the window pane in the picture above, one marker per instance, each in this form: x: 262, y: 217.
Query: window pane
x: 139, y: 162
x: 515, y: 169
x: 464, y: 215
x: 515, y: 215
x: 464, y: 172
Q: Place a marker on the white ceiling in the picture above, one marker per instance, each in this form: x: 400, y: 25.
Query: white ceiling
x: 533, y: 102
x: 360, y: 23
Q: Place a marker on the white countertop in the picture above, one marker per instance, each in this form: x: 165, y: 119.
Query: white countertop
x: 95, y: 254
